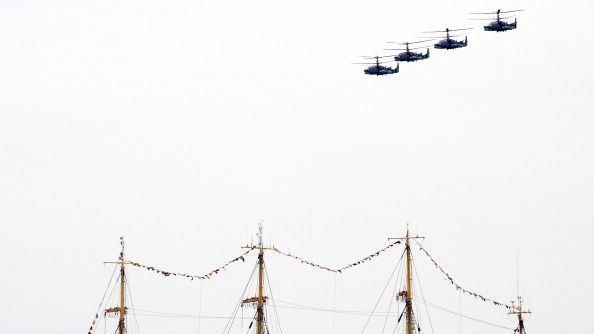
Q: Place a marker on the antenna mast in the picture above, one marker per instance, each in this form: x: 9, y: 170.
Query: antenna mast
x: 407, y: 295
x: 122, y: 308
x: 517, y: 310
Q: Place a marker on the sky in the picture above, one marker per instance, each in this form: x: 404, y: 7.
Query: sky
x: 181, y: 125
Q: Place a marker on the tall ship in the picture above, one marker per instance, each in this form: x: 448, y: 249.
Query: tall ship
x: 113, y: 313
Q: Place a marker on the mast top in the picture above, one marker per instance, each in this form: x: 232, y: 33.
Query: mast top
x: 122, y: 251
x: 260, y: 234
x: 407, y: 237
x: 517, y: 309
x: 260, y: 244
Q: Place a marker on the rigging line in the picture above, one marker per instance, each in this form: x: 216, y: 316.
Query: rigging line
x: 398, y: 322
x: 132, y: 303
x: 200, y: 309
x: 182, y: 316
x: 423, y: 296
x: 232, y: 319
x: 393, y: 292
x: 250, y: 326
x: 272, y: 297
x: 329, y: 310
x: 106, y: 289
x: 312, y: 308
x: 379, y: 299
x: 239, y: 304
x: 98, y: 315
x: 416, y: 317
x: 113, y: 289
x: 334, y: 306
x: 435, y: 306
x: 460, y: 311
x: 401, y: 274
x: 266, y: 320
x: 241, y: 326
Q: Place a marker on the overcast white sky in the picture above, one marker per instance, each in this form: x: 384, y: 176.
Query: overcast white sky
x: 181, y: 124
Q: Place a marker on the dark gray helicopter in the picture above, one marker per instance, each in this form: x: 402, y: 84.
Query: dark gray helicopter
x: 408, y: 55
x: 448, y: 43
x: 498, y: 25
x: 378, y: 69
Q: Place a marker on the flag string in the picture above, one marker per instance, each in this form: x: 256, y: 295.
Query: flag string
x: 190, y: 276
x: 458, y: 287
x: 339, y: 270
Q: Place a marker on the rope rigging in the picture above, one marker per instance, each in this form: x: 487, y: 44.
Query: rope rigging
x: 273, y: 300
x: 441, y: 308
x: 240, y: 303
x: 95, y: 321
x: 423, y: 296
x: 382, y: 293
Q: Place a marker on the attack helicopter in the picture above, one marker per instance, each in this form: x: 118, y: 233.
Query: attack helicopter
x: 448, y: 43
x: 378, y: 69
x: 408, y: 55
x: 498, y: 25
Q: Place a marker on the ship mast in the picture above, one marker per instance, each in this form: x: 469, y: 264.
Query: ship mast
x: 260, y: 307
x: 408, y: 293
x: 517, y: 310
x: 260, y: 299
x: 121, y: 310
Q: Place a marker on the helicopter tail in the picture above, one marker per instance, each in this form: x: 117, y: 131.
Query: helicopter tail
x: 515, y: 23
x: 466, y: 41
x: 427, y: 55
x: 397, y: 69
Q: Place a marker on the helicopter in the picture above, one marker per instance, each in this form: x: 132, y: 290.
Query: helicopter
x: 378, y: 69
x: 498, y: 25
x: 408, y: 55
x: 448, y: 43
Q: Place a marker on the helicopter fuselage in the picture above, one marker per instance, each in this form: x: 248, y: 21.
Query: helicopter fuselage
x: 449, y: 44
x: 411, y: 56
x: 500, y: 26
x: 380, y: 70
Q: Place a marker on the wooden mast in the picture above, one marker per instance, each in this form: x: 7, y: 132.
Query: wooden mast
x: 260, y: 307
x: 121, y: 310
x: 408, y: 293
x: 260, y: 299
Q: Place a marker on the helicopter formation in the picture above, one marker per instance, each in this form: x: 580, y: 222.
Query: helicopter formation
x: 447, y: 42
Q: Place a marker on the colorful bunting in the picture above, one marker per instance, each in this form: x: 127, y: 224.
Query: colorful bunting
x: 192, y: 277
x: 458, y: 287
x: 92, y: 328
x: 340, y: 270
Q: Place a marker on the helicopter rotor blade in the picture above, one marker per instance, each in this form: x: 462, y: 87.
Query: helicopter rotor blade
x: 512, y: 11
x: 494, y: 18
x: 500, y: 12
x: 442, y: 37
x: 415, y: 42
x: 420, y: 47
x: 436, y: 31
x: 379, y: 57
x: 381, y: 62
